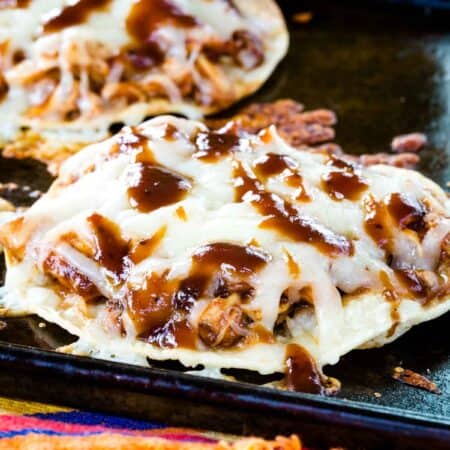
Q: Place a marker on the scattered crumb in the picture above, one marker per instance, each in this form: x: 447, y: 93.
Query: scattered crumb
x: 42, y: 325
x: 302, y: 17
x: 412, y: 142
x: 377, y: 394
x: 3, y: 325
x: 414, y: 379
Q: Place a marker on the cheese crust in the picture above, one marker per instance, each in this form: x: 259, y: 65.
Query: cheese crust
x: 71, y: 69
x: 228, y: 250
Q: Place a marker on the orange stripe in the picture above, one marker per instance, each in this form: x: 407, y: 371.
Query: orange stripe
x: 118, y: 442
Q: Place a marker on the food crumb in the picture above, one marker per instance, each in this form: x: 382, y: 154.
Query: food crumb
x: 42, y: 325
x: 302, y: 17
x: 3, y: 325
x: 377, y: 394
x: 414, y: 379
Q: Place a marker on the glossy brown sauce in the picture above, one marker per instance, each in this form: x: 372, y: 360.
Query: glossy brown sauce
x: 160, y: 307
x: 273, y: 164
x: 245, y: 48
x: 400, y: 210
x: 145, y: 17
x: 243, y: 260
x: 145, y: 248
x: 157, y: 318
x: 213, y: 145
x: 407, y: 212
x: 342, y: 185
x: 410, y: 280
x: 212, y: 267
x: 285, y: 219
x: 171, y: 132
x: 302, y: 374
x: 111, y: 250
x: 145, y: 55
x: 376, y: 223
x: 151, y: 187
x: 150, y: 305
x: 4, y: 88
x: 130, y: 139
x: 390, y: 295
x: 6, y: 4
x: 74, y: 14
x: 69, y: 277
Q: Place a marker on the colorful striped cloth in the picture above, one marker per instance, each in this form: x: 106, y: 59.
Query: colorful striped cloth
x: 35, y: 426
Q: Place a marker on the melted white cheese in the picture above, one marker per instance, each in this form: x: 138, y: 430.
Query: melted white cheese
x: 95, y: 180
x: 101, y: 36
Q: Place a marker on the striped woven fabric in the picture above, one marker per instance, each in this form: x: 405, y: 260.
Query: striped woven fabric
x: 34, y: 426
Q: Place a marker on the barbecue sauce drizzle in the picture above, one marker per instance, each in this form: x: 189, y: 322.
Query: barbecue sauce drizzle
x: 143, y: 20
x: 345, y: 182
x: 160, y: 306
x: 302, y: 374
x: 273, y: 164
x: 111, y: 250
x: 284, y: 218
x: 150, y: 186
x: 12, y: 4
x: 74, y: 14
x: 213, y: 145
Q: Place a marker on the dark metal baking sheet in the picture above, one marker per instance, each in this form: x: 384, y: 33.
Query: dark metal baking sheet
x: 384, y: 72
